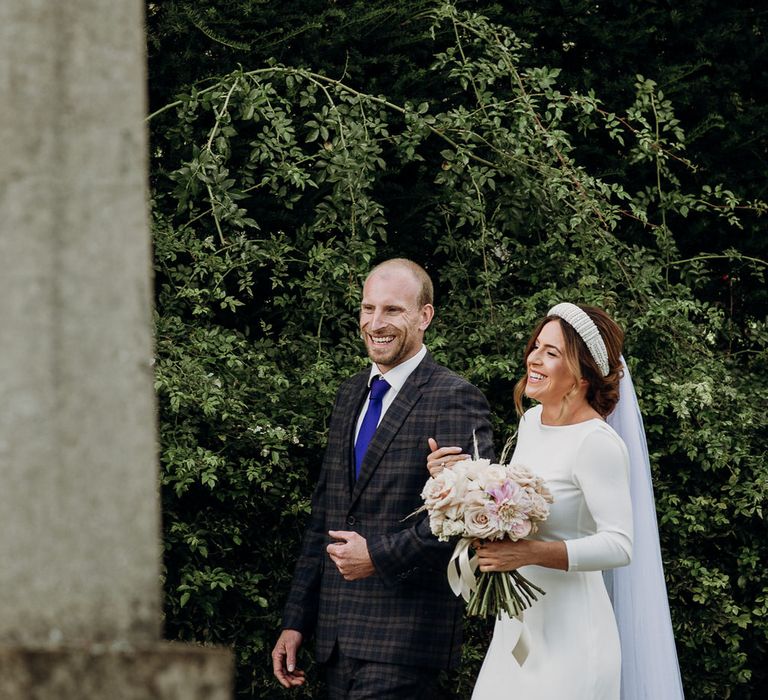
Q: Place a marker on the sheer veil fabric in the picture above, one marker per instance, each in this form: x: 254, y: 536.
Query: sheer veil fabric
x: 649, y: 667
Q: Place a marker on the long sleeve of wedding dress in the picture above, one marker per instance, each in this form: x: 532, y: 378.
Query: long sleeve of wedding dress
x: 600, y: 473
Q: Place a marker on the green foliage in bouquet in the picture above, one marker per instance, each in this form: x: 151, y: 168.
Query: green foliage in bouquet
x: 276, y: 188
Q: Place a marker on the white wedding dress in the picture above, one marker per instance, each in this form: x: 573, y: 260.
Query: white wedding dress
x: 574, y: 644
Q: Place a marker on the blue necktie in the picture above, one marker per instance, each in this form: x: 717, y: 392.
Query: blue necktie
x: 379, y: 387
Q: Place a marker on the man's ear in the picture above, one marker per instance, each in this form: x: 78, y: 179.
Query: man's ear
x: 427, y: 314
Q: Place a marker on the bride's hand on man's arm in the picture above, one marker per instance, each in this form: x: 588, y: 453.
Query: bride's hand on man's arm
x: 442, y: 457
x: 506, y: 555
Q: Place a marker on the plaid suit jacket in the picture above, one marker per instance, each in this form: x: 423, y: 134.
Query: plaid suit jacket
x: 405, y: 613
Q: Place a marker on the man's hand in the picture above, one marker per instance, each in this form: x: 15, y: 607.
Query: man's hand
x: 350, y: 554
x: 284, y: 659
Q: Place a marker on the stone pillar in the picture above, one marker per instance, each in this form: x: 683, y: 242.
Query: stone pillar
x: 79, y: 506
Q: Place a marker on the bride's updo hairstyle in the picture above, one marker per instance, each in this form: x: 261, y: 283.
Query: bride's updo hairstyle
x: 602, y: 387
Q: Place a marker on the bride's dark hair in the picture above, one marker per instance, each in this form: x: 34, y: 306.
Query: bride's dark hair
x: 602, y: 392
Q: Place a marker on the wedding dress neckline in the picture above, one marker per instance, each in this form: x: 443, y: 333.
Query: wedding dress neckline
x: 539, y: 410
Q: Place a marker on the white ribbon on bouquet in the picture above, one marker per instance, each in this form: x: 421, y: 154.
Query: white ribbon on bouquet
x: 461, y: 577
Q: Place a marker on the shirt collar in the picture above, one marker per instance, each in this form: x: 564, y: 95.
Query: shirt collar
x: 398, y: 375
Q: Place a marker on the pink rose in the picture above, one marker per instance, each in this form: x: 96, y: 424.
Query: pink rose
x: 520, y: 529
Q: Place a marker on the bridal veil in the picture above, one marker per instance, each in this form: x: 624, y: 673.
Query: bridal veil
x: 649, y: 668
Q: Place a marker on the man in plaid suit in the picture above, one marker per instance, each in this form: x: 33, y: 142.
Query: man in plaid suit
x: 370, y: 582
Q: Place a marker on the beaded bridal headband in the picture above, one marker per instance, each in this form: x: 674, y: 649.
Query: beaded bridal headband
x: 586, y: 328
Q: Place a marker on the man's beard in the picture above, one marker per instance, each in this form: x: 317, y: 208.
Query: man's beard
x: 394, y: 354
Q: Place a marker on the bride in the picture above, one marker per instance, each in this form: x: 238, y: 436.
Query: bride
x: 573, y: 370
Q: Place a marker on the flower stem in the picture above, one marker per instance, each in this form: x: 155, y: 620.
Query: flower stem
x: 502, y: 591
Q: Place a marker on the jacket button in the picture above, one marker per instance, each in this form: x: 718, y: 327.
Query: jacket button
x: 351, y: 520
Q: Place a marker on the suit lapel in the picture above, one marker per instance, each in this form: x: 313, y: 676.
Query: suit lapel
x: 393, y: 420
x: 353, y: 403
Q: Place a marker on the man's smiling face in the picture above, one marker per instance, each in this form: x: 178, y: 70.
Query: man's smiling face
x: 391, y: 322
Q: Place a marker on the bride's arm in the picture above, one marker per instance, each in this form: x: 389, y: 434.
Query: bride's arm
x: 601, y: 472
x: 505, y: 555
x: 442, y: 457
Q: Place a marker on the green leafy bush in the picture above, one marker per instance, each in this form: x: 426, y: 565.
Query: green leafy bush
x: 285, y: 185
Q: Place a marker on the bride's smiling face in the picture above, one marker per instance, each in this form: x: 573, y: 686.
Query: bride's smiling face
x: 549, y: 378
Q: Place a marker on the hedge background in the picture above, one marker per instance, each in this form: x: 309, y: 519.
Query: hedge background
x: 562, y: 150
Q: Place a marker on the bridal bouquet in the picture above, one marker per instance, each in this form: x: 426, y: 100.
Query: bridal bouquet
x: 476, y: 499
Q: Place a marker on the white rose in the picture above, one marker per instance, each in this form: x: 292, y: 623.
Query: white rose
x: 440, y: 491
x: 478, y: 523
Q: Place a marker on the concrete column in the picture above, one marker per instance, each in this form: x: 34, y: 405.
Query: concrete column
x: 79, y: 507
